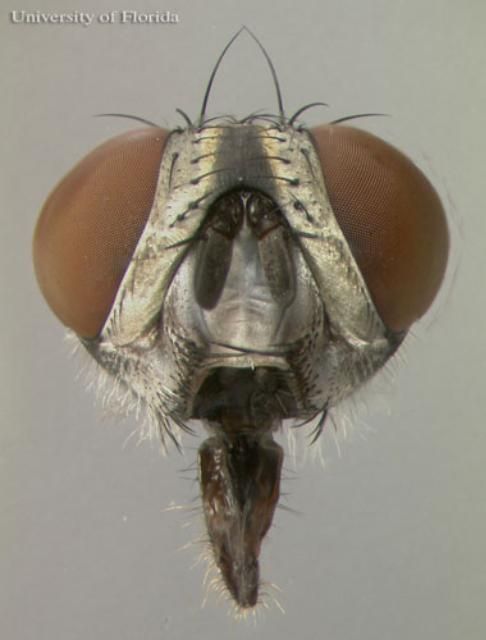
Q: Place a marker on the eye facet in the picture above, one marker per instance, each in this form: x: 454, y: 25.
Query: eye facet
x: 391, y: 217
x: 90, y: 225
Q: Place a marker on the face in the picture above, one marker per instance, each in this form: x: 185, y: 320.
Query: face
x: 241, y: 273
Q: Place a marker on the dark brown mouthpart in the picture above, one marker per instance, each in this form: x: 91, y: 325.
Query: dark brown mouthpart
x: 240, y: 487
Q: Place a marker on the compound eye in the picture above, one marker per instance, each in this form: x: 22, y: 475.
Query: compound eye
x: 391, y: 217
x: 90, y: 225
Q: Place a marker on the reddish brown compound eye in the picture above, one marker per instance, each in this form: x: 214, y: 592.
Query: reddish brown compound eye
x: 391, y: 217
x: 90, y: 225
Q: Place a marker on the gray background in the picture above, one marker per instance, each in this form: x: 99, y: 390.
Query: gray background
x: 389, y: 538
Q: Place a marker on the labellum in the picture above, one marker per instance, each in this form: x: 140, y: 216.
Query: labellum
x: 241, y: 273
